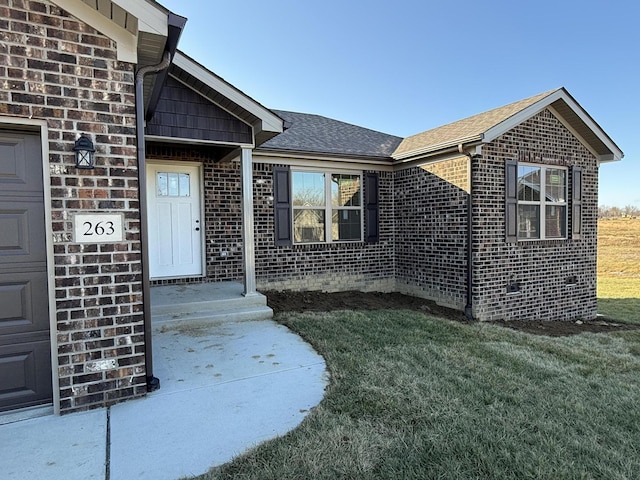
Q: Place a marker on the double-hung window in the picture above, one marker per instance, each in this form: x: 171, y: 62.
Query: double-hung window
x: 326, y: 206
x: 542, y: 202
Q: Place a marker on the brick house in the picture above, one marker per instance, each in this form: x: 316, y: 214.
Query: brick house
x: 196, y: 182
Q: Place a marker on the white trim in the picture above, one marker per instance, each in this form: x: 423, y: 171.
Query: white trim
x: 523, y: 115
x: 328, y: 206
x: 573, y: 131
x: 150, y: 163
x: 41, y: 127
x: 499, y: 129
x: 269, y: 121
x: 434, y: 149
x: 248, y: 237
x: 543, y: 203
x: 152, y: 17
x: 320, y: 162
x: 127, y: 43
x: 190, y: 141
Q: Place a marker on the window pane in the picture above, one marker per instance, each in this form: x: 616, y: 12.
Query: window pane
x: 555, y: 221
x: 346, y: 225
x: 556, y: 185
x: 174, y: 187
x: 528, y: 221
x: 185, y: 190
x: 173, y: 184
x: 308, y: 189
x: 345, y: 190
x: 162, y: 185
x: 528, y: 183
x: 308, y: 226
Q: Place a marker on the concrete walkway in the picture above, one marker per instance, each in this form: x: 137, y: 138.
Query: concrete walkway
x: 224, y: 388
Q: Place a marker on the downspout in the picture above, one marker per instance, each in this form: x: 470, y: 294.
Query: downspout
x: 468, y: 309
x: 153, y: 383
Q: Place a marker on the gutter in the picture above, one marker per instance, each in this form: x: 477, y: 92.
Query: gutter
x: 176, y: 24
x: 153, y: 383
x: 468, y: 309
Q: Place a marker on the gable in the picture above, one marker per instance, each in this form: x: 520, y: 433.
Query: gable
x: 182, y: 113
x: 485, y: 127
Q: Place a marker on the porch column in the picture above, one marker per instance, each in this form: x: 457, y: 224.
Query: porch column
x: 247, y: 223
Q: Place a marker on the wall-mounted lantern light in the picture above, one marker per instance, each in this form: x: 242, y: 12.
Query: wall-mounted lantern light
x: 85, y: 151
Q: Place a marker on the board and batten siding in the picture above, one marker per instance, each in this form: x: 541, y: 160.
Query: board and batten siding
x: 184, y: 114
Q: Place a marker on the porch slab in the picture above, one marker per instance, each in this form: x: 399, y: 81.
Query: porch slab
x: 225, y: 387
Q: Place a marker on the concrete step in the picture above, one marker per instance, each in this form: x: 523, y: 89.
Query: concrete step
x: 206, y: 303
x: 203, y: 318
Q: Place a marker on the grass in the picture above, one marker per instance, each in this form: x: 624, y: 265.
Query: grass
x: 419, y: 397
x: 413, y: 396
x: 619, y: 269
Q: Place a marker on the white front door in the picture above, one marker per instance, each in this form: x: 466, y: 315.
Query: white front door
x: 175, y: 224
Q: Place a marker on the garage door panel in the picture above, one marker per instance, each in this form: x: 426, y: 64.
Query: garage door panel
x: 24, y: 307
x: 21, y: 232
x: 25, y: 346
x: 16, y: 154
x: 25, y: 378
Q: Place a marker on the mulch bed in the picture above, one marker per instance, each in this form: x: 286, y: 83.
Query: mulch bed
x: 326, y: 302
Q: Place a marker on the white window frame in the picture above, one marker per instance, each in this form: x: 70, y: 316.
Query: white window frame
x: 328, y: 207
x: 543, y: 203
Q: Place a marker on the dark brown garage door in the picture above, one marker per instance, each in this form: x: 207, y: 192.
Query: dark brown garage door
x: 25, y: 360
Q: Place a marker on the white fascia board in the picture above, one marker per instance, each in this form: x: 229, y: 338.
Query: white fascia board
x: 127, y: 43
x: 318, y: 161
x: 269, y: 121
x: 152, y: 17
x: 494, y: 132
x: 595, y: 128
x: 574, y: 132
x: 435, y: 149
x: 193, y: 141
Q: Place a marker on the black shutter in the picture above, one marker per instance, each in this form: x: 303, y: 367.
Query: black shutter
x: 371, y: 208
x: 282, y: 206
x: 511, y: 200
x: 576, y: 203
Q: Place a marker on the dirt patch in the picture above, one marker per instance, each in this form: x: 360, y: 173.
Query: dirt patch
x: 326, y: 302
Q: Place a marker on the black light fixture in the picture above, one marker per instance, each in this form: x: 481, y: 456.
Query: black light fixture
x: 85, y: 150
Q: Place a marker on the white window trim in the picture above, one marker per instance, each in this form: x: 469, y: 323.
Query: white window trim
x: 543, y: 203
x: 328, y: 207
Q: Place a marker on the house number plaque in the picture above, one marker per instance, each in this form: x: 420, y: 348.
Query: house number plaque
x: 98, y: 227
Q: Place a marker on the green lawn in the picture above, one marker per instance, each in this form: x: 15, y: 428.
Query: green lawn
x: 419, y: 397
x: 619, y: 298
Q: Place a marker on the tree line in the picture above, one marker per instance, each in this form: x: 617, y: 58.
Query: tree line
x: 604, y: 211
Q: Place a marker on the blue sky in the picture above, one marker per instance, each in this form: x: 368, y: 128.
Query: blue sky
x: 406, y: 66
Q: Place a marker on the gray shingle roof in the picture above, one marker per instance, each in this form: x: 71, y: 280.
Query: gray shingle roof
x: 464, y: 130
x: 318, y: 134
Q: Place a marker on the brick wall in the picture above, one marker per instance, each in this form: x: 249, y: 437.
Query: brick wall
x: 431, y: 231
x: 327, y: 267
x: 223, y: 212
x: 540, y: 267
x: 52, y: 67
